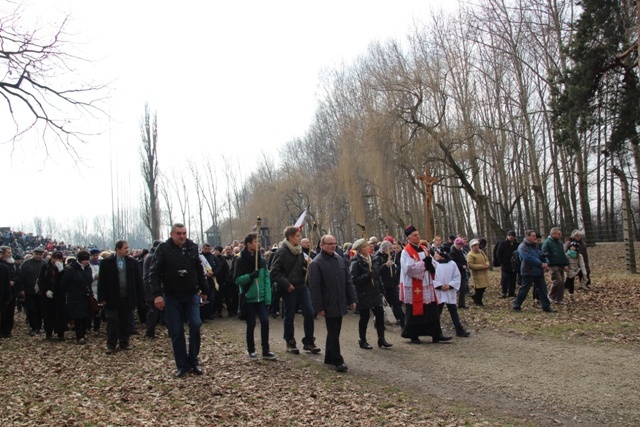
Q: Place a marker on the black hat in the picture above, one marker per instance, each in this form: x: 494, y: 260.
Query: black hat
x: 95, y: 251
x: 409, y: 229
x: 156, y: 243
x: 443, y: 250
x: 574, y: 245
x: 511, y: 233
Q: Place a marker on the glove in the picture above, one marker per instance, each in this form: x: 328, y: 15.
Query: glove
x: 254, y: 275
x: 49, y: 294
x: 428, y: 265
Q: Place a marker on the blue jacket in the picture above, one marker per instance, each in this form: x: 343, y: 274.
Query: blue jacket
x: 531, y: 259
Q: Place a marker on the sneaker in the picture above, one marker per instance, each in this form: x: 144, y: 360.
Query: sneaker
x: 252, y: 356
x: 269, y: 356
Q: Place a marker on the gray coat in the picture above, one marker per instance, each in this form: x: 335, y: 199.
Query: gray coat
x: 330, y: 285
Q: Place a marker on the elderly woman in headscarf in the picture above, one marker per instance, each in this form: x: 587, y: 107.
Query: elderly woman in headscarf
x: 366, y: 280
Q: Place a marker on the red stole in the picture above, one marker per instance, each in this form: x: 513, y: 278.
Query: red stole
x: 416, y: 284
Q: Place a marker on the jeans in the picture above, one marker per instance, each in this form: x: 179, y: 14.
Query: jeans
x: 178, y: 311
x: 539, y: 285
x: 259, y: 309
x: 291, y: 300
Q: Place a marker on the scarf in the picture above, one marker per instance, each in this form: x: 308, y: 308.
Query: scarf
x: 416, y: 284
x: 296, y: 250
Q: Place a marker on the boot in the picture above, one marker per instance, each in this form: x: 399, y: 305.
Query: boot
x: 382, y: 343
x: 460, y: 332
x: 291, y: 347
x: 311, y: 346
x: 364, y: 344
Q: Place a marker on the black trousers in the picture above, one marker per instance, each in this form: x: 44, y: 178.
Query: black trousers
x: 365, y: 314
x: 153, y: 315
x: 53, y: 315
x: 118, y: 323
x: 33, y: 305
x: 7, y: 317
x: 332, y: 355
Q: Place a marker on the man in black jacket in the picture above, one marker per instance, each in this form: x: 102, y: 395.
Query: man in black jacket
x: 119, y: 290
x: 288, y: 272
x: 331, y: 293
x: 176, y: 279
x: 503, y: 254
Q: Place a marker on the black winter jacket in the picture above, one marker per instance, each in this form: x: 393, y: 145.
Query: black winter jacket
x: 367, y: 283
x: 288, y: 269
x: 330, y: 285
x: 77, y: 282
x: 177, y: 271
x: 109, y: 282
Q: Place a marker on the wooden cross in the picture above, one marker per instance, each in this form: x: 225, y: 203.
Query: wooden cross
x: 428, y: 183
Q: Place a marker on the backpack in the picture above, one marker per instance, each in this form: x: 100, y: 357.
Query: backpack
x: 515, y: 261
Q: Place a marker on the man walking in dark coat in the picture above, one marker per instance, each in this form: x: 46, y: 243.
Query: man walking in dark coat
x: 119, y: 290
x: 504, y: 252
x: 177, y: 279
x: 331, y: 293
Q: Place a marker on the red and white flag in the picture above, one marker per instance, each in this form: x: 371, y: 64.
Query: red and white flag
x: 300, y: 222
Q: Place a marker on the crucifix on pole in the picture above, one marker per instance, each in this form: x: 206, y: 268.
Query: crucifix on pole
x: 428, y: 183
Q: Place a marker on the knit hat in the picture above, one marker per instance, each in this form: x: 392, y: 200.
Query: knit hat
x: 473, y: 243
x: 94, y: 251
x: 389, y: 239
x: 574, y: 245
x: 373, y: 239
x: 459, y: 241
x: 358, y: 244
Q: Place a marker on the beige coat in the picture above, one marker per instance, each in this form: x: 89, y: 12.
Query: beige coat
x: 477, y: 262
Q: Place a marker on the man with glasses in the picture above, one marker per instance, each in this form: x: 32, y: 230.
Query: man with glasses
x: 331, y: 293
x: 176, y: 278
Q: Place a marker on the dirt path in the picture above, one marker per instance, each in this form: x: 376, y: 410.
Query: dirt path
x: 543, y: 381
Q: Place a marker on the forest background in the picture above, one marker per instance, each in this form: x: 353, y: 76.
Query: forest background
x: 525, y: 112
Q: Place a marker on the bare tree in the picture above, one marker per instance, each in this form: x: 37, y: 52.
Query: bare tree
x: 35, y: 95
x: 149, y: 164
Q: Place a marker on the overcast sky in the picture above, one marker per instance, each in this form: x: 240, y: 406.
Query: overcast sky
x: 224, y: 77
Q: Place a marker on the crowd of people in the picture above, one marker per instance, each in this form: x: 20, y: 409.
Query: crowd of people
x: 176, y: 282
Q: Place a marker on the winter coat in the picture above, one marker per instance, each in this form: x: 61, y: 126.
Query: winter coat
x: 531, y: 259
x: 256, y: 290
x: 582, y: 250
x: 288, y: 269
x: 51, y: 280
x: 447, y: 273
x: 555, y: 252
x: 109, y: 282
x: 5, y: 286
x: 458, y: 257
x: 389, y: 276
x: 366, y: 280
x: 177, y: 271
x: 477, y: 261
x: 576, y: 265
x: 330, y: 285
x: 504, y: 251
x: 30, y: 271
x: 77, y: 282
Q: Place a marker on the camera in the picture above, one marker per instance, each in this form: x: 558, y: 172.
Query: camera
x: 182, y: 273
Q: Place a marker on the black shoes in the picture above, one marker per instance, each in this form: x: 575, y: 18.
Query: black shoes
x: 364, y: 344
x: 198, y: 370
x: 462, y: 333
x: 180, y: 373
x: 110, y: 350
x: 441, y: 338
x: 382, y: 343
x: 269, y: 356
x: 415, y: 341
x: 341, y: 368
x: 291, y: 347
x: 125, y: 346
